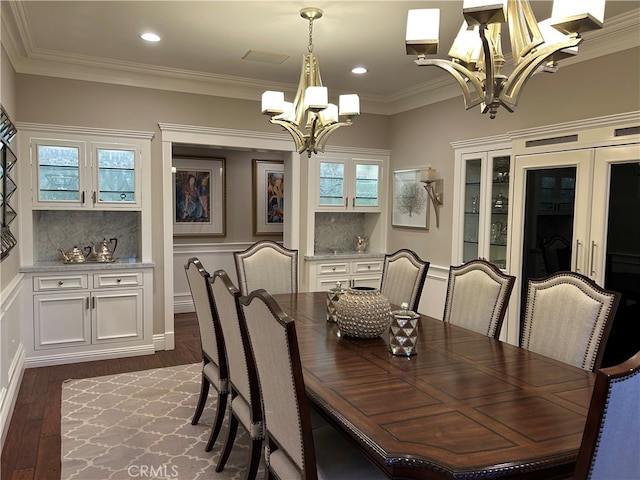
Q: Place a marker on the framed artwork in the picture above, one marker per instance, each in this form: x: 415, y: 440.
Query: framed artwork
x: 410, y: 200
x: 199, y: 197
x: 268, y: 197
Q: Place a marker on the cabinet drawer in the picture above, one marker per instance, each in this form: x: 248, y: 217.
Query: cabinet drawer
x: 105, y: 280
x: 60, y: 282
x: 364, y: 266
x: 332, y: 268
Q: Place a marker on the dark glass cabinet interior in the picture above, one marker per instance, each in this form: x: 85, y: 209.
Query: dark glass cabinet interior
x: 549, y: 242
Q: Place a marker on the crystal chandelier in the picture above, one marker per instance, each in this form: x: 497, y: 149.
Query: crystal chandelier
x: 310, y: 119
x: 476, y: 54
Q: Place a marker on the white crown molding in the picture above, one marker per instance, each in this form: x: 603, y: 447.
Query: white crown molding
x: 620, y: 33
x: 68, y: 129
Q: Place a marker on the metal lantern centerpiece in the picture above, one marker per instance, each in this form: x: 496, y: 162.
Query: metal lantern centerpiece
x: 403, y: 331
x: 363, y: 312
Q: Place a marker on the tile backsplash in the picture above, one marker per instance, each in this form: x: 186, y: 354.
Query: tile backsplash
x: 58, y: 229
x: 337, y: 232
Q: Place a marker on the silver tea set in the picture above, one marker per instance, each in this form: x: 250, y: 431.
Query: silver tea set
x: 100, y: 252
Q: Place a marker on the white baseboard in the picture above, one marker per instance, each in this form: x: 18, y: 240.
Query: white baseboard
x: 88, y: 356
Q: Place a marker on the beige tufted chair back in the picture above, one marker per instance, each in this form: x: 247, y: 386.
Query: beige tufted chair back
x: 214, y: 360
x: 403, y: 276
x: 568, y: 317
x: 268, y: 265
x: 477, y: 297
x: 245, y: 401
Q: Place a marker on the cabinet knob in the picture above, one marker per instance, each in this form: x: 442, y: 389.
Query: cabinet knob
x: 60, y: 283
x: 118, y: 280
x: 333, y: 269
x: 368, y: 267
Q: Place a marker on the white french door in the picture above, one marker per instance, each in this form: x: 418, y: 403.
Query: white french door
x: 569, y: 195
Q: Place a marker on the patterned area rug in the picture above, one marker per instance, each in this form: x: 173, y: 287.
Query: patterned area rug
x: 138, y: 426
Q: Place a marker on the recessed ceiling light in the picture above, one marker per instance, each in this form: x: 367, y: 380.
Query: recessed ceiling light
x: 359, y: 70
x: 150, y: 37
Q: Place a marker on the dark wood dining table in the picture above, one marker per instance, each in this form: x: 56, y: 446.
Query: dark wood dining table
x: 465, y: 406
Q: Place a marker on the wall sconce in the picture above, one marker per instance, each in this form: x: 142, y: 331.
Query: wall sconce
x: 434, y: 187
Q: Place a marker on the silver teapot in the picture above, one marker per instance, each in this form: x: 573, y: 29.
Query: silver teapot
x: 103, y: 253
x: 361, y: 244
x: 76, y: 254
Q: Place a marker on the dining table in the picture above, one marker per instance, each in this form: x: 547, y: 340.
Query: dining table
x: 465, y: 406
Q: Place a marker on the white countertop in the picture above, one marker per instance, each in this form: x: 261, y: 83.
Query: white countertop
x: 343, y: 256
x: 57, y: 267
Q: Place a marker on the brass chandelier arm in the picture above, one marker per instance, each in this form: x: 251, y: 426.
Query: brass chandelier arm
x: 324, y: 133
x: 524, y: 71
x: 524, y: 30
x: 463, y: 76
x: 298, y: 136
x: 492, y: 65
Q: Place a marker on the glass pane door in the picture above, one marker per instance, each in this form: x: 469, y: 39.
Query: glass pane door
x: 116, y: 175
x: 499, y: 211
x: 473, y: 170
x: 614, y: 246
x: 331, y: 183
x: 548, y: 223
x: 58, y: 173
x: 367, y: 177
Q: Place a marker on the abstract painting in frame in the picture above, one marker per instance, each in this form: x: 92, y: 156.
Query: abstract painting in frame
x: 268, y: 197
x: 199, y: 197
x: 410, y: 200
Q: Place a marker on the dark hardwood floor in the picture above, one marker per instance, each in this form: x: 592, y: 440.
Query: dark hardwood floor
x: 32, y: 447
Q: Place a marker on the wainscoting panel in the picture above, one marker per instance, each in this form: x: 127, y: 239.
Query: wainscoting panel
x: 434, y: 292
x: 214, y: 256
x: 12, y: 355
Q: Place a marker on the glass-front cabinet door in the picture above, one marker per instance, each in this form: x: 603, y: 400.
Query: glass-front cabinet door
x: 67, y: 176
x: 348, y: 184
x: 60, y: 169
x: 484, y: 207
x: 115, y: 178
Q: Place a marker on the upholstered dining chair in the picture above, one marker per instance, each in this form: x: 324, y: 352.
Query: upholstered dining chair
x: 477, y: 297
x: 245, y: 396
x: 214, y: 361
x: 568, y: 317
x: 293, y: 449
x: 403, y: 276
x: 267, y: 264
x: 611, y: 438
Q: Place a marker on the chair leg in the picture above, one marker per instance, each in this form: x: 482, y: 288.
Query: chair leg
x: 221, y: 409
x: 204, y: 392
x: 228, y: 443
x: 255, y: 453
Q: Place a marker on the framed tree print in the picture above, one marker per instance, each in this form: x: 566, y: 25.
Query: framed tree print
x: 410, y: 200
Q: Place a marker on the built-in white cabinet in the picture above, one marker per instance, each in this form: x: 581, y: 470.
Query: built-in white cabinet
x: 343, y: 197
x: 87, y: 185
x: 348, y: 184
x: 481, y: 202
x: 358, y: 272
x: 89, y: 313
x: 72, y: 174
